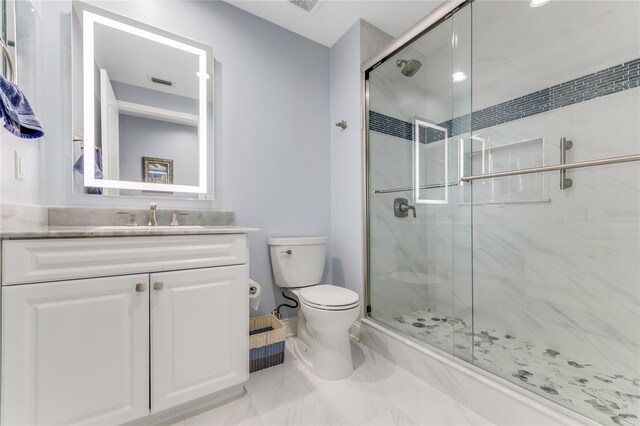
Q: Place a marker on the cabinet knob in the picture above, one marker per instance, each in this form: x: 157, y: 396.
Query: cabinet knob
x: 158, y: 286
x: 141, y: 287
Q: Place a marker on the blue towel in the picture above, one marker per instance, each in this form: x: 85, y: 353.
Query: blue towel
x: 79, y: 164
x: 16, y: 111
x: 79, y: 167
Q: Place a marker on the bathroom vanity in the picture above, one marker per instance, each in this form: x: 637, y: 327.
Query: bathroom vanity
x: 109, y: 325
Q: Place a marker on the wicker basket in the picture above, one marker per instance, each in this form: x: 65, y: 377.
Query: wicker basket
x: 266, y: 342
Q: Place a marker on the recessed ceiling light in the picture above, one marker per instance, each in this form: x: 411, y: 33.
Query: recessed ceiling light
x: 459, y: 76
x: 538, y: 3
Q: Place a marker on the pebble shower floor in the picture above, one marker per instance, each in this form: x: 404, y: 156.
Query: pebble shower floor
x: 605, y: 396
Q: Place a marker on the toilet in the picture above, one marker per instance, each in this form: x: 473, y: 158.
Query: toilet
x: 326, y: 311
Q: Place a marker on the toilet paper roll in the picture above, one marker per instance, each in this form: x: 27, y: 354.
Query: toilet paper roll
x: 254, y: 294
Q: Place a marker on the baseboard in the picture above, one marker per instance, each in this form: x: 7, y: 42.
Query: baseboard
x: 190, y: 409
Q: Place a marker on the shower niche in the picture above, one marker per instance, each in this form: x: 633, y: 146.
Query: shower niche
x: 490, y: 157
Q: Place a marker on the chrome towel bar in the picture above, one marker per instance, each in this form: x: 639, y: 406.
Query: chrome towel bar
x: 581, y: 164
x: 578, y: 165
x: 7, y: 54
x: 410, y: 188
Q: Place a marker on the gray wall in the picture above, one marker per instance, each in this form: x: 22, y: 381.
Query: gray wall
x: 156, y: 98
x: 272, y: 149
x: 347, y: 210
x: 30, y: 62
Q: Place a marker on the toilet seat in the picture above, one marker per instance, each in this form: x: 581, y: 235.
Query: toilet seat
x: 329, y: 297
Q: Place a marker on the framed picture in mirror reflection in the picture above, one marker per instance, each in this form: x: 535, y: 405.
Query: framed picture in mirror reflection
x: 157, y: 170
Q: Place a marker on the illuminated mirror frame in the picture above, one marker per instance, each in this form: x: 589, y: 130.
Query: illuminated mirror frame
x: 416, y: 162
x: 89, y: 19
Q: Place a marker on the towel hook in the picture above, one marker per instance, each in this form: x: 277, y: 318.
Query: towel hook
x: 7, y: 54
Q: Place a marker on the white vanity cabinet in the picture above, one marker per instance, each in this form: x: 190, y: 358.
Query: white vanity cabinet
x: 188, y: 360
x: 144, y: 337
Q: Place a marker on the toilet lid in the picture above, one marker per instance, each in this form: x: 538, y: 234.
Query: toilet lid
x: 329, y: 295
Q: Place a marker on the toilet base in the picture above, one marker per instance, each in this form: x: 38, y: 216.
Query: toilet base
x: 327, y: 354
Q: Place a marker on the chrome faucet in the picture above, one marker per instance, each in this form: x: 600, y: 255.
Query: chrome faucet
x: 174, y: 219
x: 152, y: 214
x: 132, y: 218
x: 401, y: 207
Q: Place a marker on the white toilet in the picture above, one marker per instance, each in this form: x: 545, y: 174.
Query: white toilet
x: 326, y: 311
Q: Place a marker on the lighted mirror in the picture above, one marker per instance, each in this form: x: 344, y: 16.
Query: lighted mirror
x: 143, y: 108
x: 430, y: 157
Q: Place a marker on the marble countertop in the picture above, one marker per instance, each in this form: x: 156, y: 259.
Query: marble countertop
x: 120, y: 231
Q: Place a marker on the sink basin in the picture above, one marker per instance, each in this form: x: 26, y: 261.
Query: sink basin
x: 162, y: 227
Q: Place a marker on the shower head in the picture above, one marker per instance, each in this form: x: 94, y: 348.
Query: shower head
x: 410, y: 67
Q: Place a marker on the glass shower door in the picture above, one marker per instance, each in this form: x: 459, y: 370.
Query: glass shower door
x: 555, y: 259
x: 419, y: 218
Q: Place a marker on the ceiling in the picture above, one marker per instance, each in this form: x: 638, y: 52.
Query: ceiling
x: 135, y: 60
x: 330, y: 19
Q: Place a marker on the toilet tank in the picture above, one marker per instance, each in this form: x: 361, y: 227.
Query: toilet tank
x: 297, y: 262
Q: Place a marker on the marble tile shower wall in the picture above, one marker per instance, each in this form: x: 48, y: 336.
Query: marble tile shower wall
x: 399, y: 267
x: 416, y: 263
x: 397, y: 245
x: 412, y: 260
x: 564, y: 274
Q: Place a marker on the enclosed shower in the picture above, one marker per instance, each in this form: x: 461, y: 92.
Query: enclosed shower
x: 515, y: 142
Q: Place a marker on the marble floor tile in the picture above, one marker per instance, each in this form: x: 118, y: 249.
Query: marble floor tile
x: 391, y: 417
x: 308, y: 410
x: 352, y: 402
x: 377, y: 393
x: 278, y: 385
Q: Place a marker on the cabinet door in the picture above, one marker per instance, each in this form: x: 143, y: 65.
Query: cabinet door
x: 76, y: 351
x: 199, y: 333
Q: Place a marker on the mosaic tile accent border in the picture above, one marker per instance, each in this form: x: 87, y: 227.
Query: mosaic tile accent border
x: 611, y: 80
x: 402, y: 129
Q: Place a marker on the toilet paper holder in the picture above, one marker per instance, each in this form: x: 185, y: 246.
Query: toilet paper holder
x: 254, y: 294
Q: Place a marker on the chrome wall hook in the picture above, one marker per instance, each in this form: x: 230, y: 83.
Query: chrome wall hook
x: 342, y: 124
